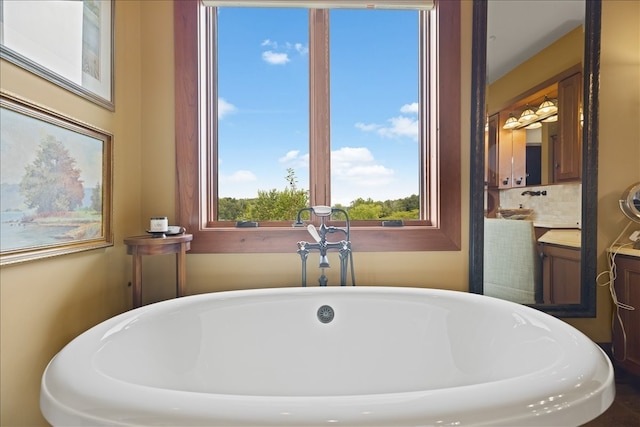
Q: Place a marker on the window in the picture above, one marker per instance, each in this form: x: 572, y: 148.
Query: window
x: 200, y: 101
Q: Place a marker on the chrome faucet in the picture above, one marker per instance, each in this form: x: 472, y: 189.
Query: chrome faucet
x: 322, y: 245
x: 534, y: 193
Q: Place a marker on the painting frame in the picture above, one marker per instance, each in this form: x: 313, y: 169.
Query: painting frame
x: 31, y: 229
x: 93, y: 75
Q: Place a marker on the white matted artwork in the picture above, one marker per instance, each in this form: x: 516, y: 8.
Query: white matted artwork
x: 67, y: 42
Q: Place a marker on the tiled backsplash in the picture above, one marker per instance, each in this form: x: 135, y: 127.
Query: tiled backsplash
x: 562, y: 204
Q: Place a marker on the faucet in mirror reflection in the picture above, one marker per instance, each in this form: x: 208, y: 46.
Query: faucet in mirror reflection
x: 323, y: 245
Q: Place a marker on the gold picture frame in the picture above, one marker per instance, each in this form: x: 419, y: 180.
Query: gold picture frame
x: 55, y: 183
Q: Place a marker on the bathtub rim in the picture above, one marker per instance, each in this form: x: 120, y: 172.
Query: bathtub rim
x: 401, y: 405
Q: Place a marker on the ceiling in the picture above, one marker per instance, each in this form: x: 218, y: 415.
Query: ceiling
x: 518, y: 29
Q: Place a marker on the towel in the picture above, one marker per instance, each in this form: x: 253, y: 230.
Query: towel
x: 511, y: 261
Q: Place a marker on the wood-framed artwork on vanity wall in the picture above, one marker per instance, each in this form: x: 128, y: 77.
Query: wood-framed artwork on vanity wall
x: 69, y: 43
x: 55, y: 183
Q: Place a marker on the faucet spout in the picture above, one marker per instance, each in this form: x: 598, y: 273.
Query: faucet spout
x: 324, y: 262
x: 534, y: 193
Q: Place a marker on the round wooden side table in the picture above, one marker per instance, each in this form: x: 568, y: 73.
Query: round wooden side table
x: 150, y: 245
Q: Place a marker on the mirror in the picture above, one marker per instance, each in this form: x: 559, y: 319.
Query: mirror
x: 630, y: 202
x: 585, y: 306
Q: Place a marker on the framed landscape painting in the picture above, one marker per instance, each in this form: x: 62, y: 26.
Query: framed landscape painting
x: 55, y: 183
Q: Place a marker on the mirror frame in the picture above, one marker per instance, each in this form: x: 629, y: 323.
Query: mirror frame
x: 626, y: 202
x: 591, y: 82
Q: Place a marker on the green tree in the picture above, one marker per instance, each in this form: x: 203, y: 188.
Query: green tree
x: 275, y: 205
x: 52, y: 184
x: 365, y: 211
x: 232, y: 209
x: 96, y: 198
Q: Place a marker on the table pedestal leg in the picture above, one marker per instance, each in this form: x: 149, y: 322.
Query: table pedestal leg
x: 137, y: 281
x: 181, y: 271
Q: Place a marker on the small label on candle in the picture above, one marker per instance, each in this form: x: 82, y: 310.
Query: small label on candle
x: 159, y: 224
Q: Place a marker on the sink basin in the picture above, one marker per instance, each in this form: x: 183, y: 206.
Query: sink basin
x: 515, y: 213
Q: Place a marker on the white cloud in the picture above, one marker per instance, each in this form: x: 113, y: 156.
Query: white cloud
x: 397, y: 127
x: 278, y: 53
x: 294, y: 160
x: 291, y: 155
x: 367, y: 128
x: 409, y: 108
x: 400, y: 127
x: 347, y: 156
x: 357, y: 166
x: 275, y: 58
x: 239, y: 176
x: 225, y: 108
x: 301, y: 49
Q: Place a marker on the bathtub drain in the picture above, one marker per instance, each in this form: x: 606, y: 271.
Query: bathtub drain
x: 325, y: 314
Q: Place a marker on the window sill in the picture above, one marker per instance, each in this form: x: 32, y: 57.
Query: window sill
x: 285, y: 239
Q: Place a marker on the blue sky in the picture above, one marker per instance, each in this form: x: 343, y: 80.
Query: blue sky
x: 263, y: 102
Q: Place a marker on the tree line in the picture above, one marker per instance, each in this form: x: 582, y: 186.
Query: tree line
x: 283, y: 205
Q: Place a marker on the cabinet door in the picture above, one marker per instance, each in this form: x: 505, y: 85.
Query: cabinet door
x: 519, y: 158
x: 560, y: 274
x: 568, y: 148
x: 505, y: 154
x: 627, y: 286
x: 492, y: 152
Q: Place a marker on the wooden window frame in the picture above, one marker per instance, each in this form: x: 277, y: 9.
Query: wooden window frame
x: 193, y: 178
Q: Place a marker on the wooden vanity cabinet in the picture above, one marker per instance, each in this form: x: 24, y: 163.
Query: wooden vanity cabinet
x: 560, y: 274
x: 567, y: 151
x: 627, y: 286
x: 506, y: 154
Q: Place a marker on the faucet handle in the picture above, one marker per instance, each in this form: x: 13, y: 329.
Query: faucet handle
x: 313, y: 232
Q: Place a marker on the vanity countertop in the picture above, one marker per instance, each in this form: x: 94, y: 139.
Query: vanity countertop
x: 550, y: 224
x: 625, y: 250
x: 562, y: 237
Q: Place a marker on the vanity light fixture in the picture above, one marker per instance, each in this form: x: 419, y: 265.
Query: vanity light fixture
x: 511, y: 122
x: 547, y: 106
x: 550, y: 119
x: 527, y: 115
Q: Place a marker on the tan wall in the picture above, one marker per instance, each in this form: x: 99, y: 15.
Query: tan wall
x: 208, y: 273
x: 619, y: 148
x: 549, y: 62
x: 44, y: 304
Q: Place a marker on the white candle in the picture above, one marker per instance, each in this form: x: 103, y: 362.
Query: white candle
x: 159, y: 224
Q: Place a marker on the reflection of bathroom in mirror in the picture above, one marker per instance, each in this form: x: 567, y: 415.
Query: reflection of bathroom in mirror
x: 533, y: 157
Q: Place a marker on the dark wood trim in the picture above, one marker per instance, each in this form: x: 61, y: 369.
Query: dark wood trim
x: 477, y: 176
x: 186, y: 18
x: 190, y: 186
x: 319, y: 109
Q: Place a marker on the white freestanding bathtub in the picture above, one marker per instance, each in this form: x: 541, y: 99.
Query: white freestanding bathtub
x: 347, y: 356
